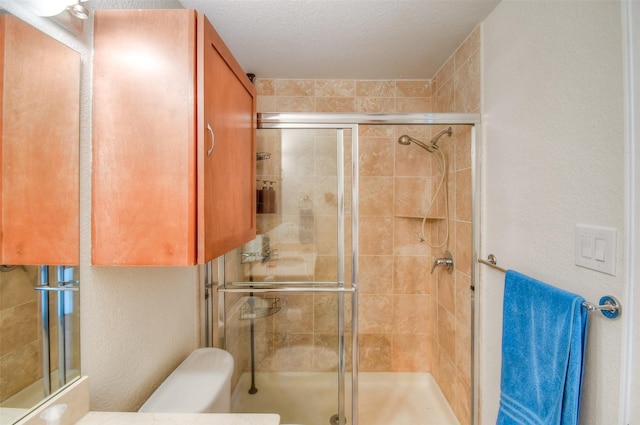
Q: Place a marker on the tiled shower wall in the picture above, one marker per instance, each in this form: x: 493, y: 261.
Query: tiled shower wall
x: 409, y: 320
x: 456, y: 88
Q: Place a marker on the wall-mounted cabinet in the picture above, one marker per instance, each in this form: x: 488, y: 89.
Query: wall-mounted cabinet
x: 39, y: 147
x: 173, y: 141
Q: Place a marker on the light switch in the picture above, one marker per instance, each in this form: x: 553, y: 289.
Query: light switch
x: 599, y: 249
x: 595, y: 248
x: 586, y: 247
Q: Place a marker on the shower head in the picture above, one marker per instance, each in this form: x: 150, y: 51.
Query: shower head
x: 407, y: 140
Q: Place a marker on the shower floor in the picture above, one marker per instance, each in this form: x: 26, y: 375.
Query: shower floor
x: 311, y: 398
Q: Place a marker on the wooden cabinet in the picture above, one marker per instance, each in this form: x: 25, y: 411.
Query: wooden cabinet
x: 39, y: 147
x: 173, y: 141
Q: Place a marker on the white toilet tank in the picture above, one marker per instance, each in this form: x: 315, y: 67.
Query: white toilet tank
x: 201, y: 384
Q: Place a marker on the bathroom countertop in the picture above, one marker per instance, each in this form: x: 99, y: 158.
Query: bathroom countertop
x: 127, y: 418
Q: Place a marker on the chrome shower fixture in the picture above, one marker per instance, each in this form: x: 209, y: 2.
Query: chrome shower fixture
x: 434, y: 141
x: 406, y: 140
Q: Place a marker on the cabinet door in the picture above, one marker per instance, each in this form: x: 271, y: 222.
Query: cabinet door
x: 39, y: 153
x: 226, y: 163
x: 144, y: 141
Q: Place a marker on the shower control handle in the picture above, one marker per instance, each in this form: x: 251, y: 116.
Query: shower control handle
x: 446, y: 261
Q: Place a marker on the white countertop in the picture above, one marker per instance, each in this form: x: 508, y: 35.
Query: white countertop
x: 127, y: 418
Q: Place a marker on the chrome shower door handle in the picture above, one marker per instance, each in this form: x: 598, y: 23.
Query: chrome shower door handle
x: 213, y: 140
x: 447, y: 261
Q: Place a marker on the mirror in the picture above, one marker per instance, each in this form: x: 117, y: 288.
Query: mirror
x: 39, y: 206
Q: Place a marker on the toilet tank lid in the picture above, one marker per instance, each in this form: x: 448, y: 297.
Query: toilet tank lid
x: 195, y: 384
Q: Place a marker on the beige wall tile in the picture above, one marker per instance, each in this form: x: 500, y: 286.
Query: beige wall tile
x: 296, y: 309
x: 375, y: 352
x: 468, y: 47
x: 335, y: 104
x: 412, y: 196
x: 376, y: 196
x: 446, y: 285
x: 462, y: 403
x: 412, y: 353
x: 413, y: 88
x: 467, y: 85
x: 376, y: 274
x: 376, y: 314
x: 446, y: 376
x: 462, y: 195
x: 444, y: 98
x: 335, y: 88
x: 375, y: 88
x: 445, y: 73
x: 411, y: 313
x: 298, y: 88
x: 325, y: 352
x: 413, y: 105
x: 376, y: 131
x: 295, y: 104
x: 463, y: 246
x: 411, y: 160
x: 375, y: 104
x: 411, y: 275
x: 376, y: 235
x: 267, y: 104
x: 265, y: 87
x: 445, y: 334
x: 407, y: 237
x: 376, y: 156
x: 463, y: 347
x: 462, y: 134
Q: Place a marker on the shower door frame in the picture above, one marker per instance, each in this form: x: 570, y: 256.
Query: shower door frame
x: 351, y: 121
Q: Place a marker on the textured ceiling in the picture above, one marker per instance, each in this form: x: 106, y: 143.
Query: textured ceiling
x: 343, y: 39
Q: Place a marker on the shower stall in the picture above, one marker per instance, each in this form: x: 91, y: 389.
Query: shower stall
x: 338, y: 312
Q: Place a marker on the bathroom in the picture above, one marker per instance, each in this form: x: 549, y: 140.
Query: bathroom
x: 549, y: 139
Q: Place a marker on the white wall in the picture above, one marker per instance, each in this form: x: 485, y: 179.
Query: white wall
x: 553, y: 156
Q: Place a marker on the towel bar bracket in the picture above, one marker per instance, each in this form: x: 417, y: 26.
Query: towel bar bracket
x: 608, y: 305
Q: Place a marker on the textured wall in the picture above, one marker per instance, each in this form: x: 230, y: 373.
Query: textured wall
x: 553, y: 150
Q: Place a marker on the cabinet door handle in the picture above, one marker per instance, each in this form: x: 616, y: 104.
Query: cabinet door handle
x: 213, y: 140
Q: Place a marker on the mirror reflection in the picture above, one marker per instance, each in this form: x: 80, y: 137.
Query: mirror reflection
x: 39, y: 209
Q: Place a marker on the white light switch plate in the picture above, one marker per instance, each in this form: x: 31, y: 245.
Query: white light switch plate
x: 595, y: 248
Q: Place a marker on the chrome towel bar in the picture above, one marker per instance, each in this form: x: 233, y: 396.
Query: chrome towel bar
x: 608, y: 305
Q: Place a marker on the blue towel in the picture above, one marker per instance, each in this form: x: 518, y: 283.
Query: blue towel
x: 543, y: 345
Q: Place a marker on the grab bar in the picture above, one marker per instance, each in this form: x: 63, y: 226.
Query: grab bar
x: 608, y: 305
x: 259, y: 289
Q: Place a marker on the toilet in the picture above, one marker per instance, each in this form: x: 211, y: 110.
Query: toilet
x: 201, y: 384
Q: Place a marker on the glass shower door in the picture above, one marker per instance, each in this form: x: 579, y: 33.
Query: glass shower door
x: 288, y: 294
